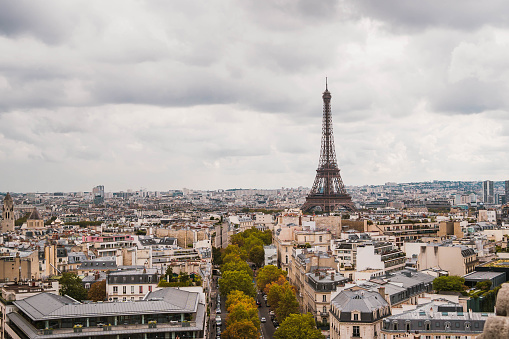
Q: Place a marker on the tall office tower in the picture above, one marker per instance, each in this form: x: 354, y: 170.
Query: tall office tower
x: 488, y: 197
x: 7, y: 224
x: 98, y: 193
x: 328, y: 192
x: 507, y: 191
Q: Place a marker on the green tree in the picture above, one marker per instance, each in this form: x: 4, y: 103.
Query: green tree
x: 276, y: 291
x: 483, y: 285
x: 169, y: 274
x: 236, y: 280
x: 217, y: 256
x: 183, y: 277
x: 237, y: 265
x: 236, y: 297
x: 268, y: 274
x: 234, y: 249
x: 287, y: 305
x: 257, y: 255
x: 97, y: 291
x: 70, y: 284
x: 298, y: 326
x: 243, y: 311
x: 449, y: 283
x: 241, y: 330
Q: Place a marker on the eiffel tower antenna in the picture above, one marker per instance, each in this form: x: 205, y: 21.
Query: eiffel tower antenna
x: 328, y: 192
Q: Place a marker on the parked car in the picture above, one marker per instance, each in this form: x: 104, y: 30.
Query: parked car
x: 263, y: 320
x: 218, y: 320
x: 218, y: 310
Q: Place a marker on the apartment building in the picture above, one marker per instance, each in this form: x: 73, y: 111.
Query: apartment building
x: 318, y: 289
x: 437, y: 320
x: 382, y: 256
x: 457, y: 260
x: 131, y: 284
x: 357, y: 314
x: 406, y: 231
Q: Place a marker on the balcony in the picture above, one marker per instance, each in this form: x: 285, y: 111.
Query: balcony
x: 79, y: 330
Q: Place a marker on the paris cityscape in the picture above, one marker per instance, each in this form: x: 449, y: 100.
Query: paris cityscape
x: 254, y: 170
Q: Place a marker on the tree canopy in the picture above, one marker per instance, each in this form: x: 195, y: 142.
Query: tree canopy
x: 236, y: 280
x: 449, y: 283
x: 236, y: 297
x: 97, y: 291
x: 281, y: 297
x: 243, y: 329
x: 268, y: 274
x: 298, y: 326
x: 70, y: 284
x: 237, y: 265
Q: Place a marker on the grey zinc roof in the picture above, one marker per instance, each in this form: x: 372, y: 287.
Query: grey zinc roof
x: 51, y: 306
x: 363, y: 301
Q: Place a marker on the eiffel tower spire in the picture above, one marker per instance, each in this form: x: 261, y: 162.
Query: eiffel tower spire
x: 328, y: 190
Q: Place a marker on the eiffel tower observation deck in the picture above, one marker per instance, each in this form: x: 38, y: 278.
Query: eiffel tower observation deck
x: 328, y: 193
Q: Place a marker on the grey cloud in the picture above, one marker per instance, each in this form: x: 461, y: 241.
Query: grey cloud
x: 470, y: 96
x: 403, y: 15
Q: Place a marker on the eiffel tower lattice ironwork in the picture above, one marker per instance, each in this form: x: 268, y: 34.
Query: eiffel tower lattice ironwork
x: 328, y: 190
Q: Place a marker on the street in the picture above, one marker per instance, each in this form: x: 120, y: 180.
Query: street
x: 267, y: 327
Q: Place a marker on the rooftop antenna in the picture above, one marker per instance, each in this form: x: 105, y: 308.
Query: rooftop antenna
x: 326, y: 88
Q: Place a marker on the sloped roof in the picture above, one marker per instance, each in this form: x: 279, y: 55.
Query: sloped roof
x: 45, y: 306
x: 34, y: 215
x: 362, y: 301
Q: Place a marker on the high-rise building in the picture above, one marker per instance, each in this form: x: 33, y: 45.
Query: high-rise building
x: 507, y: 192
x: 7, y: 224
x: 488, y: 197
x: 98, y: 193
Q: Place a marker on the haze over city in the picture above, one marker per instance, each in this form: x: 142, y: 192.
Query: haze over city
x: 224, y: 94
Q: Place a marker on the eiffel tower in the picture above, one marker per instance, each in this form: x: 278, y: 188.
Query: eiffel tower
x: 328, y: 192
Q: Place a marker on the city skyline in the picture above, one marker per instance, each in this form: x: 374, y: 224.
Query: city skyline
x: 221, y: 94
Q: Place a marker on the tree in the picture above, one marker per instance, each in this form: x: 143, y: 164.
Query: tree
x: 287, y: 305
x: 298, y: 326
x: 237, y: 265
x: 236, y: 280
x: 483, y: 285
x: 257, y: 255
x: 169, y: 274
x: 241, y: 330
x: 217, y: 256
x: 97, y: 291
x: 70, y: 284
x: 268, y: 274
x: 183, y: 277
x: 242, y: 311
x: 236, y: 297
x: 449, y: 283
x: 234, y: 249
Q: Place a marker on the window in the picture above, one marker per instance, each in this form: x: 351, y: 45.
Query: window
x: 325, y: 309
x: 115, y: 289
x: 428, y: 326
x: 132, y: 289
x: 141, y: 289
x: 356, y: 331
x: 324, y: 298
x: 150, y: 288
x: 320, y: 239
x: 124, y: 289
x: 356, y: 317
x: 407, y: 327
x: 149, y: 278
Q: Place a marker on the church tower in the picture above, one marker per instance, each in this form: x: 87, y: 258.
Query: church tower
x: 7, y: 215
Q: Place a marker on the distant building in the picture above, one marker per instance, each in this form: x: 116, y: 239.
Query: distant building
x: 8, y: 218
x: 35, y: 221
x: 506, y: 192
x: 458, y: 260
x: 450, y: 228
x: 98, y: 193
x: 488, y: 196
x: 131, y: 284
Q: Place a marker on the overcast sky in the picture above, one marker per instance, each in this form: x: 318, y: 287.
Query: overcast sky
x: 227, y: 93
